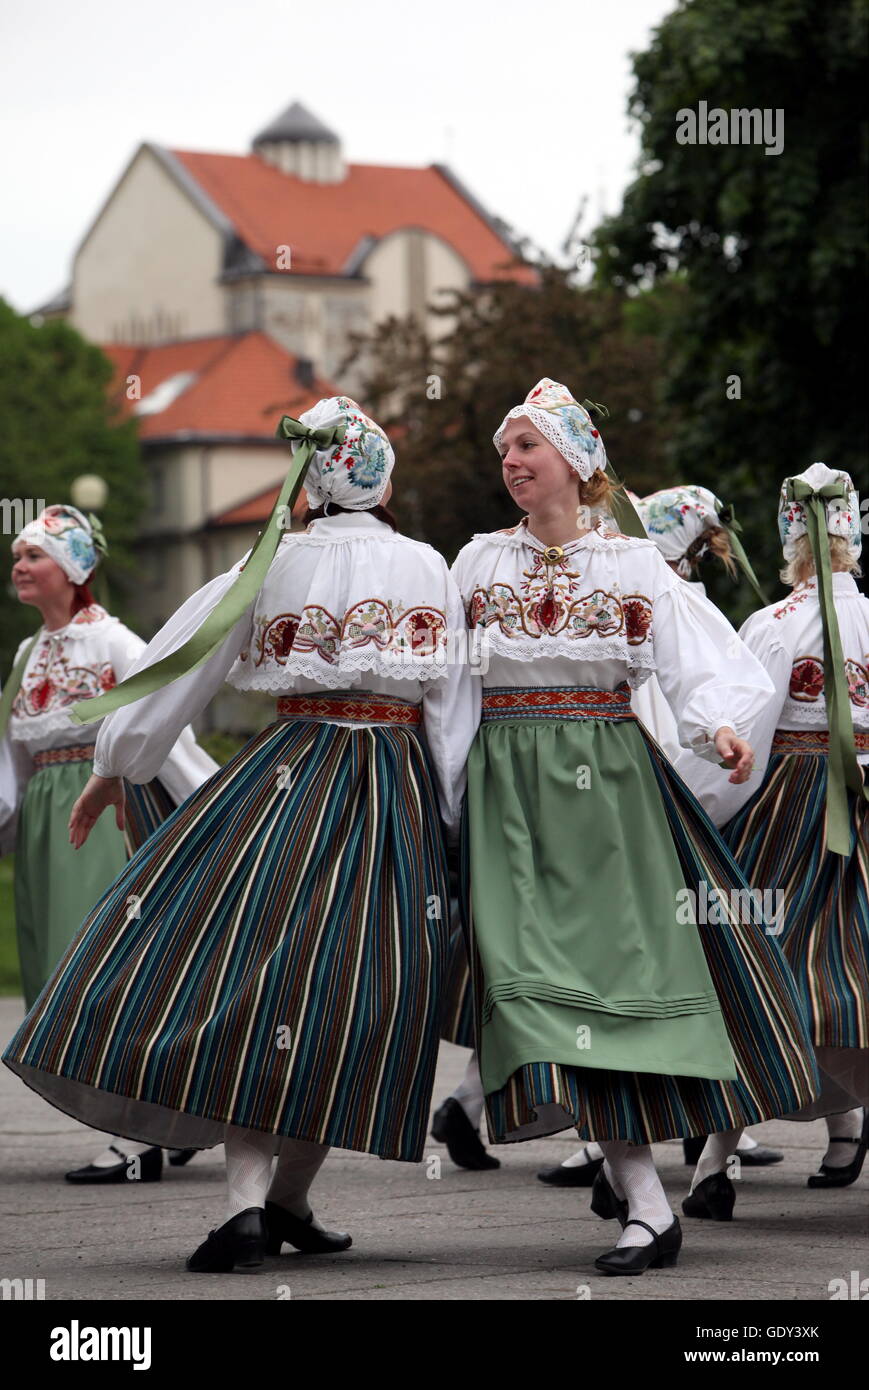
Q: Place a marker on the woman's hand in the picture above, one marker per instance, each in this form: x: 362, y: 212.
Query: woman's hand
x: 736, y: 753
x: 99, y: 793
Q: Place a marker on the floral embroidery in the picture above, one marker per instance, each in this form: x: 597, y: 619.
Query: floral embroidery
x: 790, y: 604
x: 365, y: 451
x: 807, y: 681
x: 538, y: 614
x: 52, y: 683
x: 419, y: 631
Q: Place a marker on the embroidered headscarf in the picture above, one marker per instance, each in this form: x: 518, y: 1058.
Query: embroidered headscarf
x: 675, y: 518
x: 73, y: 541
x: 353, y: 473
x: 564, y: 422
x: 819, y: 503
x: 841, y: 506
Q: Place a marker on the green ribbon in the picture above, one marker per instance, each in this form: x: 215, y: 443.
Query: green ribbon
x: 728, y: 520
x: 842, y: 766
x: 626, y: 515
x: 214, y: 630
x: 13, y: 685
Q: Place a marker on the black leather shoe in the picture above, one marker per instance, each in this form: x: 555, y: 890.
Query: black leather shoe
x: 759, y: 1157
x: 605, y: 1203
x: 178, y: 1157
x: 662, y: 1252
x: 581, y: 1175
x: 843, y: 1177
x: 241, y: 1241
x: 452, y: 1127
x: 282, y: 1226
x: 714, y: 1197
x: 149, y: 1164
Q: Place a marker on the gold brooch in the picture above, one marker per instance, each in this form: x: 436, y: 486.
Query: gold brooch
x: 552, y: 554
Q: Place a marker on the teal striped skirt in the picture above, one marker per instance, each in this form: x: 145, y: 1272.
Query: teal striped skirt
x: 599, y: 1002
x: 272, y: 957
x: 779, y: 842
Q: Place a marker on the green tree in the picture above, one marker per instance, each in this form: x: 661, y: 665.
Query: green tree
x: 57, y: 424
x: 441, y: 400
x: 768, y: 250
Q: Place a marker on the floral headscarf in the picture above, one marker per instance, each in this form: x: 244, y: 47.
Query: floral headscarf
x: 68, y: 537
x: 353, y: 474
x: 565, y: 423
x: 676, y: 517
x: 843, y: 512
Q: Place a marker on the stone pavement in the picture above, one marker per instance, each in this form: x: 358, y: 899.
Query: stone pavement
x: 499, y: 1235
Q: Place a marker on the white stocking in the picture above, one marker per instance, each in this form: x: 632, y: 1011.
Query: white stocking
x: 298, y: 1163
x: 469, y: 1092
x: 249, y: 1154
x: 715, y: 1156
x: 631, y: 1172
x: 126, y: 1148
x: 845, y: 1126
x: 589, y: 1154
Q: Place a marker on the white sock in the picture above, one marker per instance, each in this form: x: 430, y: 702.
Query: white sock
x: 589, y: 1154
x: 298, y: 1163
x: 249, y: 1154
x: 118, y: 1149
x: 469, y: 1092
x: 716, y: 1155
x: 631, y: 1172
x: 848, y: 1125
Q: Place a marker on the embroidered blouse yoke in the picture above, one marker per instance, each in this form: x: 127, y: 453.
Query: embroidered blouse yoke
x: 348, y: 604
x: 608, y: 609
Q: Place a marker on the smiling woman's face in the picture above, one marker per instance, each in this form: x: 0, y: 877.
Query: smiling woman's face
x: 36, y: 576
x: 534, y: 471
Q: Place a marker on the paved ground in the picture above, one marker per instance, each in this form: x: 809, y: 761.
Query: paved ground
x: 461, y: 1236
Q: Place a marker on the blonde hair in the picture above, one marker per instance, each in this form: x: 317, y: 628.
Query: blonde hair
x: 801, y: 566
x: 712, y: 540
x: 596, y: 491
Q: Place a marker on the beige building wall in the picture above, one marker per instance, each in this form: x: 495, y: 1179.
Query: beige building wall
x: 147, y: 270
x: 310, y: 317
x: 409, y: 269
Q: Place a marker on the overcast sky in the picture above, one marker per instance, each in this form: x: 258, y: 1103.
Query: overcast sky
x: 525, y: 101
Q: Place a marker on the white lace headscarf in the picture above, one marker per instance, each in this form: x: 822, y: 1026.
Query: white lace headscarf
x: 676, y: 517
x: 564, y: 422
x: 355, y: 473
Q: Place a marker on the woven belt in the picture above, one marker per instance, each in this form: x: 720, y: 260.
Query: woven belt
x: 812, y: 741
x: 348, y: 704
x: 556, y: 702
x: 78, y: 753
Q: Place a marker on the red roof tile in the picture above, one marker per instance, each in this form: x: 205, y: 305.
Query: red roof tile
x: 243, y: 384
x: 256, y: 510
x: 323, y: 223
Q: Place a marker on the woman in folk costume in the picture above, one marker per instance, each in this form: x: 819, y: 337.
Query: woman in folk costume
x: 79, y: 652
x: 597, y: 1005
x: 689, y: 525
x: 804, y: 834
x: 280, y: 990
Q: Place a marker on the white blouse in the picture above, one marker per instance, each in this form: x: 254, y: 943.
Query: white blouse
x: 348, y: 604
x: 611, y: 610
x: 788, y: 638
x: 88, y: 656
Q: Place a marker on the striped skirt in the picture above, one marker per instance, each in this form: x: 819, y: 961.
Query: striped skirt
x: 779, y: 842
x: 681, y: 1028
x: 272, y: 957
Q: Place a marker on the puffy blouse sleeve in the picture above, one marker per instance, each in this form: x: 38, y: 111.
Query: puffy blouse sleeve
x: 16, y: 770
x: 451, y: 714
x: 708, y: 675
x: 135, y: 740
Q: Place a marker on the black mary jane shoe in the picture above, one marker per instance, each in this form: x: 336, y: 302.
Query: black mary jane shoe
x: 758, y: 1157
x: 578, y: 1175
x: 281, y: 1226
x: 143, y: 1167
x: 178, y: 1157
x: 850, y: 1172
x: 240, y: 1242
x: 452, y: 1127
x: 605, y: 1203
x: 662, y: 1252
x: 713, y: 1198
